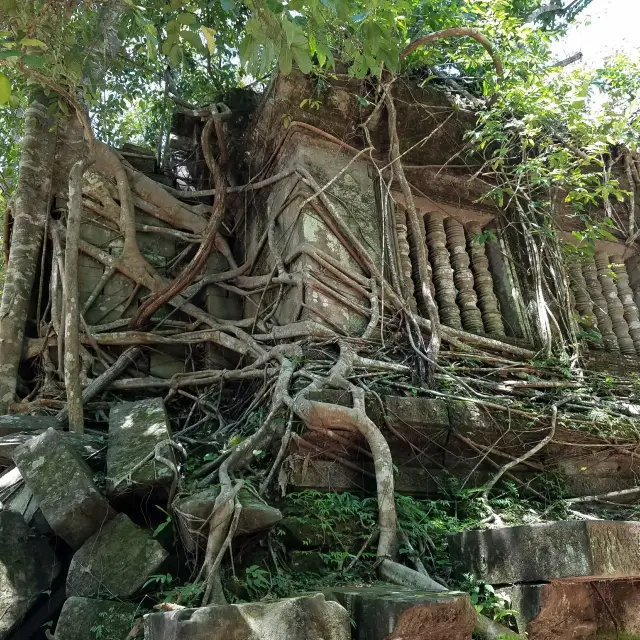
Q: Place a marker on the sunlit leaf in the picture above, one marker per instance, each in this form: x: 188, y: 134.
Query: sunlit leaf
x: 33, y: 42
x: 5, y: 89
x: 209, y: 34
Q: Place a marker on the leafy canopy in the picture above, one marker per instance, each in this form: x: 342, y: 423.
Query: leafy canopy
x: 128, y: 61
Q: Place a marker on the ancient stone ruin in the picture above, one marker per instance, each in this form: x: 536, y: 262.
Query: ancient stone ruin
x: 297, y: 362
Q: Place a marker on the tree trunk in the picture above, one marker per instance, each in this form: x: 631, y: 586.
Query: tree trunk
x: 72, y: 324
x: 31, y: 207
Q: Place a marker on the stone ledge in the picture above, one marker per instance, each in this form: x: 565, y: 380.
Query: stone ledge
x: 539, y: 553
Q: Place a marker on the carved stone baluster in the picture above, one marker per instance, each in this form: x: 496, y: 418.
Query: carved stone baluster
x: 614, y: 306
x: 625, y: 295
x: 633, y: 269
x: 404, y: 257
x: 487, y: 299
x: 442, y: 273
x: 462, y: 276
x: 582, y: 301
x: 605, y: 326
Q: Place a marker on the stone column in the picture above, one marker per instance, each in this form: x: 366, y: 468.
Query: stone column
x: 463, y: 277
x: 625, y: 295
x: 605, y: 326
x: 442, y: 272
x: 614, y: 306
x: 404, y: 257
x: 487, y: 299
x: 633, y: 269
x: 582, y: 301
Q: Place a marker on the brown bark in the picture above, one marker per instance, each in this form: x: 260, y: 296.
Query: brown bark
x: 30, y: 209
x: 172, y: 289
x: 72, y: 311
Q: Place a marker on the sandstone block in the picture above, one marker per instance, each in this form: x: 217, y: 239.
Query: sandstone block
x: 304, y: 618
x: 115, y: 562
x: 27, y: 568
x: 194, y: 512
x: 395, y: 613
x: 83, y: 618
x: 538, y: 553
x: 417, y: 412
x: 577, y: 609
x: 10, y: 425
x: 135, y: 430
x: 62, y: 485
x: 84, y: 444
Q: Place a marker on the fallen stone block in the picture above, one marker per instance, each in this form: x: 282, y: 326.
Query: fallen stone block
x: 539, y: 553
x: 87, y: 446
x: 303, y: 618
x: 83, y: 618
x: 115, y: 562
x: 27, y: 568
x: 398, y: 613
x: 193, y: 514
x: 62, y: 485
x: 135, y: 430
x: 12, y: 424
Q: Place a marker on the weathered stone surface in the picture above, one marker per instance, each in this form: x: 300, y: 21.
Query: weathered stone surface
x: 417, y: 412
x: 304, y: 618
x: 311, y: 473
x: 115, y: 562
x: 395, y: 613
x: 63, y: 487
x: 194, y: 512
x: 27, y: 567
x: 568, y: 614
x: 135, y: 430
x: 537, y: 553
x: 572, y: 610
x: 10, y: 425
x: 84, y: 444
x: 83, y: 618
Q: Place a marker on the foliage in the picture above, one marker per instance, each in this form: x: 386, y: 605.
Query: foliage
x: 486, y: 601
x: 168, y: 591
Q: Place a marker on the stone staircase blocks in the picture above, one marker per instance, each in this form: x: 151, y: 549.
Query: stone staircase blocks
x: 387, y: 612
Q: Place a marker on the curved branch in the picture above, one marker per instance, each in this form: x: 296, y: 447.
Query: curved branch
x: 452, y: 33
x: 172, y: 289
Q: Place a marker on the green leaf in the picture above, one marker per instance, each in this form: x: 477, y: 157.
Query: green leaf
x: 33, y: 62
x: 175, y: 56
x: 303, y: 59
x: 33, y: 42
x: 286, y: 61
x: 10, y: 53
x: 186, y: 18
x: 5, y: 89
x: 161, y: 527
x: 209, y: 34
x: 193, y: 39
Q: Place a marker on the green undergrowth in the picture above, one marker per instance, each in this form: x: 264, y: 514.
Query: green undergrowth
x: 327, y: 539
